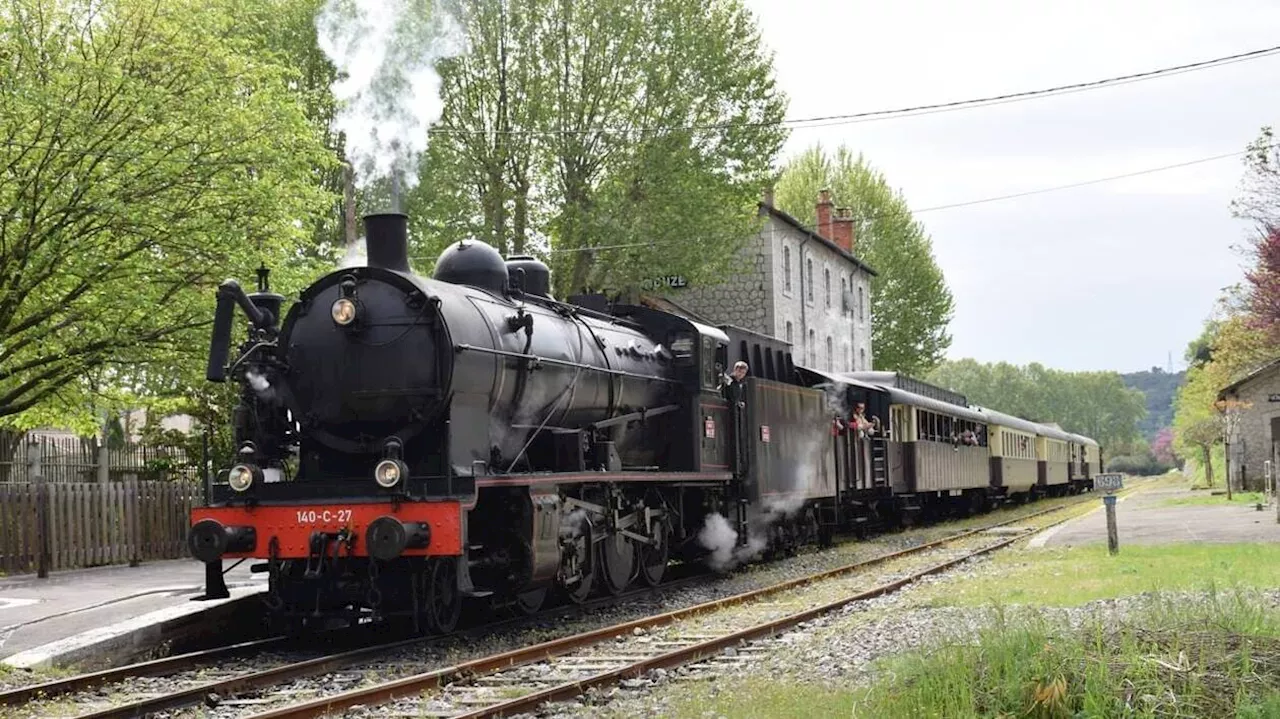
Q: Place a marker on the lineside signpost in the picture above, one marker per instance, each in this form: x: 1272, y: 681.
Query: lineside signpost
x: 1110, y: 483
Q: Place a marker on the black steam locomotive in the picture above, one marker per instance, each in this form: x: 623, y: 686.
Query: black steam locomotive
x: 406, y: 443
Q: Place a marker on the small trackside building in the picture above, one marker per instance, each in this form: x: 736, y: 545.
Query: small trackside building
x: 1254, y: 433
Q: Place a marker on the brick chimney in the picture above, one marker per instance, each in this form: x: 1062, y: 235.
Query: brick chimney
x: 842, y: 229
x: 824, y: 213
x: 767, y: 200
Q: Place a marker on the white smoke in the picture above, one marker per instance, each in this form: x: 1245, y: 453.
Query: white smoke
x: 388, y: 89
x: 721, y: 539
x: 717, y: 536
x: 355, y: 256
x: 261, y: 385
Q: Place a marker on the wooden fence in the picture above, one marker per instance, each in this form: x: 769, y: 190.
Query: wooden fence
x: 76, y: 459
x: 48, y: 526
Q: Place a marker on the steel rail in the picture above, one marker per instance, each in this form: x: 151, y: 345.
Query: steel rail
x: 412, y: 685
x: 710, y: 647
x: 287, y: 672
x: 179, y: 662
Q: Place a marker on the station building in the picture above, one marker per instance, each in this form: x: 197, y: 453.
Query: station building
x: 1253, y: 440
x: 800, y: 284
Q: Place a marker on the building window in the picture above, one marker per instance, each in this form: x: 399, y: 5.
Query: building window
x: 813, y: 350
x: 789, y: 333
x: 786, y: 268
x: 862, y: 358
x: 830, y: 355
x: 844, y: 289
x: 808, y: 278
x: 826, y: 281
x: 859, y: 304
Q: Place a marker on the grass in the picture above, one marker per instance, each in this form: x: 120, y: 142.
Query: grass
x: 1067, y: 576
x: 1218, y: 657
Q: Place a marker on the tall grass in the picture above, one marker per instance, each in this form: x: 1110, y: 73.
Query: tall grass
x: 1174, y: 657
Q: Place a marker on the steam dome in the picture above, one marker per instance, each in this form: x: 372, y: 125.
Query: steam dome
x: 471, y: 262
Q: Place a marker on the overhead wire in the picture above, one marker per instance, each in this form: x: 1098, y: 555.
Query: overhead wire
x: 910, y: 111
x: 983, y: 200
x: 800, y: 123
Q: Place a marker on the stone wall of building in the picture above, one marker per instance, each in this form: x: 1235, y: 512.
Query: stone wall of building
x: 756, y: 295
x: 1251, y: 442
x: 741, y: 298
x: 823, y: 310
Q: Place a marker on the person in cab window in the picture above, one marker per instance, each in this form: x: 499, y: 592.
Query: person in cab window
x: 860, y: 422
x: 732, y: 383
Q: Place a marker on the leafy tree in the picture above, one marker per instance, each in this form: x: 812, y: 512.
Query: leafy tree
x: 1259, y: 199
x: 1162, y: 447
x: 910, y: 300
x: 627, y: 138
x: 1236, y: 347
x: 1264, y: 282
x: 149, y: 150
x: 1095, y: 404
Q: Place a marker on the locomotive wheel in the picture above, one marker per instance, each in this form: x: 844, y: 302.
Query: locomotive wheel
x: 579, y: 592
x: 617, y: 562
x: 653, y: 559
x: 528, y: 603
x: 443, y: 600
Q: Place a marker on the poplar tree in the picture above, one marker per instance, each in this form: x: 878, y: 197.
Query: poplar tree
x: 911, y: 305
x: 619, y: 139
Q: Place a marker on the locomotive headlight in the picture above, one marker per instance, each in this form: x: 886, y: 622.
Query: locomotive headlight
x: 389, y: 472
x: 241, y: 477
x: 343, y: 311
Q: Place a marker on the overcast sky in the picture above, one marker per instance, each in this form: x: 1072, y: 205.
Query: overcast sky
x: 1112, y: 276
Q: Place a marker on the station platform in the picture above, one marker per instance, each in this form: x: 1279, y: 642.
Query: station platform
x: 93, y: 618
x: 1165, y: 513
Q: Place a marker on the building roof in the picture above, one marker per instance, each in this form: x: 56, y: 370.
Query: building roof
x: 802, y: 229
x: 666, y: 304
x: 1231, y: 388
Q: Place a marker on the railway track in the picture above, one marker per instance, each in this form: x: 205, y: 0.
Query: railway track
x: 523, y: 679
x: 208, y: 676
x: 217, y: 677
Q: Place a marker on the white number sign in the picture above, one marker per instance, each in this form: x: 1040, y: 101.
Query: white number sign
x: 1108, y: 482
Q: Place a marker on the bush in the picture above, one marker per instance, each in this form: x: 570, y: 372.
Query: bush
x: 1138, y: 465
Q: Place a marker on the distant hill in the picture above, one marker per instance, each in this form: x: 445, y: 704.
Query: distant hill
x: 1159, y: 387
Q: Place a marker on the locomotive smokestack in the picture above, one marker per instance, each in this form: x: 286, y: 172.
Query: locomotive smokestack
x: 386, y: 240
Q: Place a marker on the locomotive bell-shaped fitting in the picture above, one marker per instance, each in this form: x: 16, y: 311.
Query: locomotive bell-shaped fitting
x: 386, y: 240
x: 471, y: 262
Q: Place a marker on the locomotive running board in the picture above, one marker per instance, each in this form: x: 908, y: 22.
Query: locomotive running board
x: 518, y: 480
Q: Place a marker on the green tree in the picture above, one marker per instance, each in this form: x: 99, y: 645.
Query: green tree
x: 149, y: 150
x: 1095, y: 404
x: 910, y: 300
x: 627, y: 138
x: 1234, y: 347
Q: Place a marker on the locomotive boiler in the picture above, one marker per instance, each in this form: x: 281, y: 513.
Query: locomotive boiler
x: 404, y: 442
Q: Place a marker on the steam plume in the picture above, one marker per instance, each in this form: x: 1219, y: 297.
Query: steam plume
x: 388, y: 88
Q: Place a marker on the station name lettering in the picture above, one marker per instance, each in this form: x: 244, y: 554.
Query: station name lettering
x: 669, y: 281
